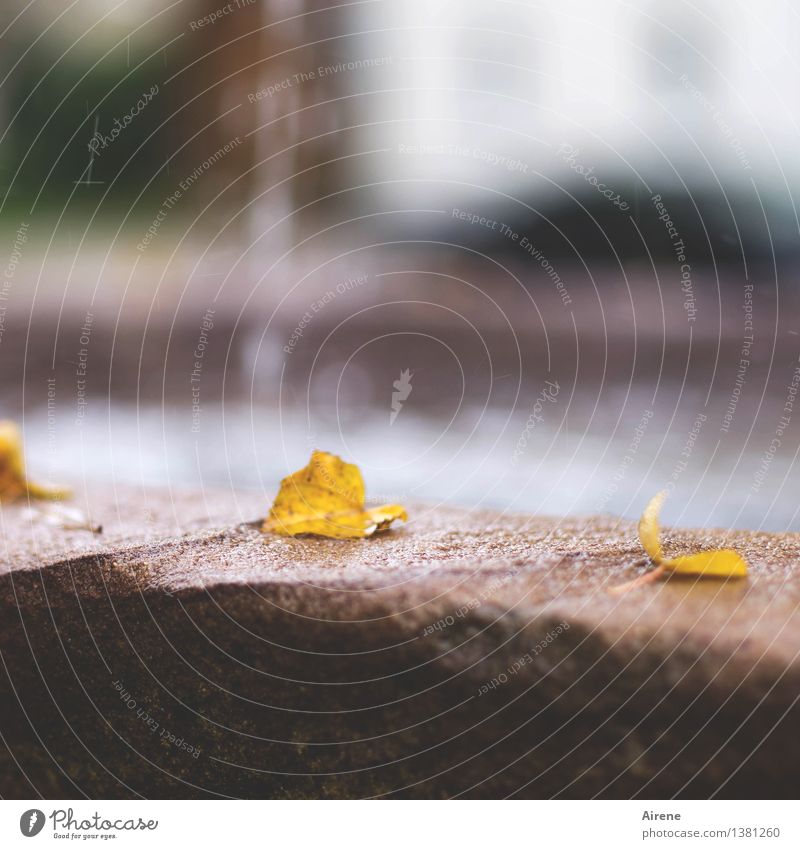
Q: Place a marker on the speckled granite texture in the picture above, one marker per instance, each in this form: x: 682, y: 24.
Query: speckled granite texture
x: 182, y: 653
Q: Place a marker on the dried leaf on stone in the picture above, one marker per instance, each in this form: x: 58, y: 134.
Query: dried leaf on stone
x: 719, y: 563
x: 13, y: 482
x: 723, y: 563
x: 649, y: 531
x: 327, y: 498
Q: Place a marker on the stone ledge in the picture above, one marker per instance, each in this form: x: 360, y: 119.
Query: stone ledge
x: 370, y: 667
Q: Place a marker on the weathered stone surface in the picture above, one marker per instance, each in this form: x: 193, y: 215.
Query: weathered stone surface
x: 183, y: 653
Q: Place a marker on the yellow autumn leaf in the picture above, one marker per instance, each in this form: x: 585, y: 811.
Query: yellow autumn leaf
x: 327, y: 498
x: 720, y: 563
x: 649, y: 532
x: 13, y: 482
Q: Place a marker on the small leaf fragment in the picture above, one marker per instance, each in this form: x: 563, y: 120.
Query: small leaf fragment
x: 649, y: 531
x: 384, y: 516
x: 13, y: 482
x: 723, y: 563
x: 327, y: 498
x: 720, y: 563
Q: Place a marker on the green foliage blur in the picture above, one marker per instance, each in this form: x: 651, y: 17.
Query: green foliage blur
x: 54, y: 104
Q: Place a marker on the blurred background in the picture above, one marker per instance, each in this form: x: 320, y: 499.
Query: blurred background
x: 537, y: 256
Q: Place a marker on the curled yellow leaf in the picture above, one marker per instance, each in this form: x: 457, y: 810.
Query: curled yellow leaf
x: 327, y: 498
x: 13, y: 481
x: 721, y: 563
x: 649, y: 531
